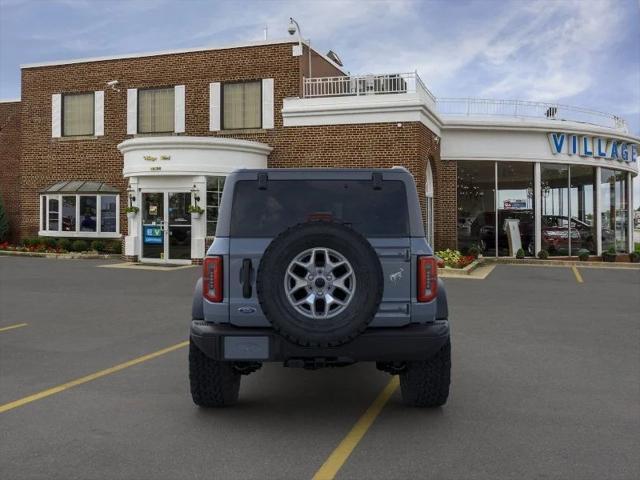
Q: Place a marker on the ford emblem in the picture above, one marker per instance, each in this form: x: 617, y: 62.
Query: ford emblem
x: 247, y: 309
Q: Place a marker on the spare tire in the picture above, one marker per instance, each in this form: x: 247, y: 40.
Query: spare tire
x: 320, y: 283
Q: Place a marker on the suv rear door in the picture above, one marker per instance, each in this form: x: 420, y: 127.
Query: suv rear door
x: 265, y: 207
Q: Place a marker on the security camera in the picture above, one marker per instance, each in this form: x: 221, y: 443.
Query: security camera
x: 292, y: 27
x: 112, y: 85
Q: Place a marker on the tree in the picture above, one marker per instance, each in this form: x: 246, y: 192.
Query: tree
x: 4, y: 222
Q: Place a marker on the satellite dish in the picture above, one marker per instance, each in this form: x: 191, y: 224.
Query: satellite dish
x: 333, y: 56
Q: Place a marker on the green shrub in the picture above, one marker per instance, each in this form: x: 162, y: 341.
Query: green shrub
x: 543, y: 254
x: 583, y: 254
x: 610, y: 255
x: 115, y: 246
x: 79, y: 246
x: 98, y: 246
x: 634, y: 257
x: 64, y: 244
x: 450, y: 257
x: 49, y: 242
x: 520, y: 253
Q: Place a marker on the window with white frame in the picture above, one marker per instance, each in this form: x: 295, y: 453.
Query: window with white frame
x: 214, y: 194
x: 156, y: 112
x: 242, y: 105
x: 71, y: 209
x: 78, y: 114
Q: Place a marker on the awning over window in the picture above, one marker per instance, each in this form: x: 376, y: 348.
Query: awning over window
x: 80, y: 186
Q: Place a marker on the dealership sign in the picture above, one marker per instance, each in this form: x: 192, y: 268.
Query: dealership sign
x: 597, y: 147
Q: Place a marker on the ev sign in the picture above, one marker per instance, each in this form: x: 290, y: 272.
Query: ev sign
x: 597, y: 147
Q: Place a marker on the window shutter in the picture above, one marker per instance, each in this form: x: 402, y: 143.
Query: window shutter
x: 98, y: 112
x: 178, y: 110
x: 56, y: 115
x: 214, y: 106
x: 132, y: 111
x: 267, y: 103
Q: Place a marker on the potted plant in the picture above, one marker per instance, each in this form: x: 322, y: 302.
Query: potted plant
x: 610, y: 255
x: 634, y: 257
x: 543, y: 254
x: 583, y: 254
x: 520, y: 253
x: 131, y: 212
x: 195, y: 211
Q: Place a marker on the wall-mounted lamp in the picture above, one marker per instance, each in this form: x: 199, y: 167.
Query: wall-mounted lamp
x: 132, y: 197
x: 195, y: 192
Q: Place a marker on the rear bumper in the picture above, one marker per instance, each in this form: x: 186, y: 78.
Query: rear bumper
x: 229, y: 343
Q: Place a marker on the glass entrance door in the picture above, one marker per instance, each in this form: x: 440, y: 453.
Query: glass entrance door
x: 153, y: 215
x: 166, y: 226
x: 179, y: 245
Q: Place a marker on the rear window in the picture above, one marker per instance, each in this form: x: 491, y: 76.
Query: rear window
x: 266, y: 213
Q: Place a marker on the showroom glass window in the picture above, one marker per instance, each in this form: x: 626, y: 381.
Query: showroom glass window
x: 156, y: 110
x: 242, y: 105
x: 614, y: 209
x: 88, y: 213
x: 77, y: 114
x: 554, y: 192
x: 108, y: 213
x: 515, y: 204
x: 476, y: 206
x: 53, y: 214
x: 78, y: 215
x: 582, y: 203
x: 69, y: 213
x: 214, y: 194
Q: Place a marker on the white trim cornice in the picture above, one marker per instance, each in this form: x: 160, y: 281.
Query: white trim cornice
x: 396, y: 108
x: 207, y: 143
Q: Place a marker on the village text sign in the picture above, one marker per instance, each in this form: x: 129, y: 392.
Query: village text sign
x: 589, y: 146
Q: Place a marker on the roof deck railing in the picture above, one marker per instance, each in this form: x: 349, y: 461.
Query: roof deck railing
x: 478, y: 107
x: 399, y: 83
x: 371, y: 84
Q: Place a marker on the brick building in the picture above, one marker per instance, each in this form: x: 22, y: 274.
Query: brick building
x: 159, y: 132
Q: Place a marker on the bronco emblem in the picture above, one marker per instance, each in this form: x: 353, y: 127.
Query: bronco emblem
x: 394, y: 277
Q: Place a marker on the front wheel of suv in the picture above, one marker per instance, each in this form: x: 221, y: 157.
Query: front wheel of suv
x: 426, y: 383
x: 213, y: 383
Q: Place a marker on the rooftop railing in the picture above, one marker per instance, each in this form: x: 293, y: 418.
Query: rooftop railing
x: 356, y: 85
x: 399, y: 83
x: 469, y: 107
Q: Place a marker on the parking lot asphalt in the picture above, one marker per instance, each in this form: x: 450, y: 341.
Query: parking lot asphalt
x: 545, y: 384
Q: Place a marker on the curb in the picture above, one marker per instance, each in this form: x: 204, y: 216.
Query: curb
x: 63, y: 256
x: 461, y: 272
x: 564, y: 263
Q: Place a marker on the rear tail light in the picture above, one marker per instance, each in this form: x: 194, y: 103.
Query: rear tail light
x: 212, y: 279
x: 427, y: 278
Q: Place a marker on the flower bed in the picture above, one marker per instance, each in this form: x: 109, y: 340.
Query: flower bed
x: 454, y: 259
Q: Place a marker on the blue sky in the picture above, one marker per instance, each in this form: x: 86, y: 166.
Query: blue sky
x: 580, y: 52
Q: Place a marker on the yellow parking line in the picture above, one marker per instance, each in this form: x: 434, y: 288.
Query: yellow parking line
x: 11, y: 327
x: 330, y: 467
x: 79, y: 381
x: 577, y: 274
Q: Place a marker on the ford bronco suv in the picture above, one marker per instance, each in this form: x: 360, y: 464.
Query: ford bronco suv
x: 317, y: 268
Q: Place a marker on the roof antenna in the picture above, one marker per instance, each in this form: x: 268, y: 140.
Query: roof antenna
x: 266, y: 32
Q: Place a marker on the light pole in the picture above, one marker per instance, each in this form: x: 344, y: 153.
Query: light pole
x: 293, y: 28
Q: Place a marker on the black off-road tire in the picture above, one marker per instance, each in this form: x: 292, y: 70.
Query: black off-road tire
x: 426, y: 383
x: 213, y: 383
x: 336, y: 330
